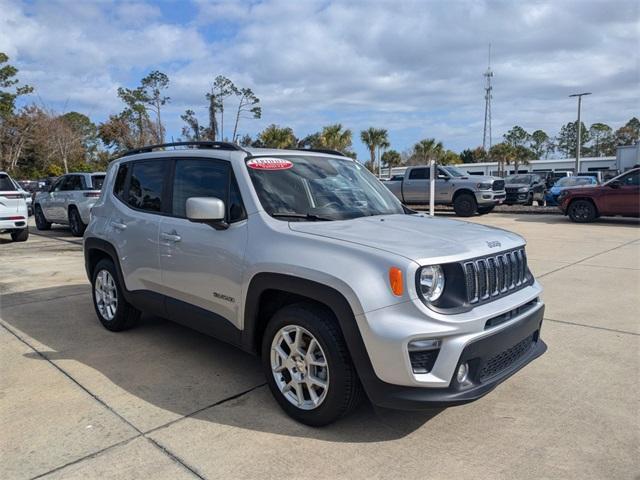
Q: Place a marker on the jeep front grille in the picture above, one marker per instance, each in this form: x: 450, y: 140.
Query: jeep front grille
x: 498, y: 185
x: 488, y: 278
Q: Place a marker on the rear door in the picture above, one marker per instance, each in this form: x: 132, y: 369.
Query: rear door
x: 203, y: 266
x: 133, y: 227
x: 415, y: 187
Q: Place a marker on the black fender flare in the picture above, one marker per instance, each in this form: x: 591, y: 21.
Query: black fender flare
x: 92, y: 244
x: 319, y: 292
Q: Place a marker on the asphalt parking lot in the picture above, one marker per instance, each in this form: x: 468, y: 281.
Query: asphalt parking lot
x: 161, y: 401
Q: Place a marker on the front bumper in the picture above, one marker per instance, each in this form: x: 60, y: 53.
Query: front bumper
x: 516, y: 197
x: 493, y: 353
x: 490, y: 197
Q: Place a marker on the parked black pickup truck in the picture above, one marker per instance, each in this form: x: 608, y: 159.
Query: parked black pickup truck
x: 524, y: 188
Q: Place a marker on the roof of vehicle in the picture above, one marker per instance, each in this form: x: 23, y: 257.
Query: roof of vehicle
x: 84, y: 173
x: 204, y: 147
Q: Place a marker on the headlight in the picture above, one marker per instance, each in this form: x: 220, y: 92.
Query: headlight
x: 431, y: 282
x: 523, y: 189
x: 484, y: 186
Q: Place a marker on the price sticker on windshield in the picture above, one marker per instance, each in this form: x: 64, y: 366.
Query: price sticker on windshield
x: 266, y: 163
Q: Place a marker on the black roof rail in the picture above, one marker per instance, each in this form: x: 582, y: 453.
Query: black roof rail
x: 204, y: 145
x: 321, y: 150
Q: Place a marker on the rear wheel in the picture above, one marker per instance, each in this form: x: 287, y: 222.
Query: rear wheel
x: 113, y: 311
x: 41, y: 220
x: 485, y: 210
x: 465, y: 205
x: 75, y: 222
x: 20, y: 235
x: 307, y: 365
x: 582, y: 211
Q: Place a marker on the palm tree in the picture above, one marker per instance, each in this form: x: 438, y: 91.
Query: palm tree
x: 375, y: 139
x: 334, y: 137
x: 277, y: 137
x: 504, y: 154
x: 426, y: 150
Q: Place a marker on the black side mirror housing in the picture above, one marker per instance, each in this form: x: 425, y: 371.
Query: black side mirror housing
x: 615, y: 184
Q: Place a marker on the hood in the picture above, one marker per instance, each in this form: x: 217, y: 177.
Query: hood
x: 417, y: 237
x: 556, y: 190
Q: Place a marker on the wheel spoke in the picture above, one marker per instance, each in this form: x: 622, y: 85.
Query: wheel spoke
x: 316, y: 381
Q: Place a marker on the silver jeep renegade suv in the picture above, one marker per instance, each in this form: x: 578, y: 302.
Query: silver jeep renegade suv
x: 306, y: 259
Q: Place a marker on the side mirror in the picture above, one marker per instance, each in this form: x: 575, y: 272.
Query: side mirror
x: 209, y: 210
x: 615, y: 184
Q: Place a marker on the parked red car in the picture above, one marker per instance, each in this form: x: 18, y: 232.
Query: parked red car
x: 618, y: 196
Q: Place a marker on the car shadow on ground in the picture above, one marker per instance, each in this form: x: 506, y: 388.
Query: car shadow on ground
x: 175, y: 369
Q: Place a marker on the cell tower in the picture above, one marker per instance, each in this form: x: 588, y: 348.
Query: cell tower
x: 487, y: 106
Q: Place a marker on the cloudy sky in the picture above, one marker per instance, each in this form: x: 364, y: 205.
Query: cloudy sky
x: 414, y: 68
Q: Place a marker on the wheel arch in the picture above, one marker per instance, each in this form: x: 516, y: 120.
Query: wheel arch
x: 462, y: 190
x: 268, y: 292
x: 96, y: 249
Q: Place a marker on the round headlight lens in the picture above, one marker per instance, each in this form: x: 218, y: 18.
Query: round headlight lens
x: 431, y: 282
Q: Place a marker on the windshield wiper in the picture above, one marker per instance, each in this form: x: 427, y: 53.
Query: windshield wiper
x: 304, y: 216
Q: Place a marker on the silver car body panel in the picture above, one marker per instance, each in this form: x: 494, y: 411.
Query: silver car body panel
x: 55, y: 204
x: 213, y: 269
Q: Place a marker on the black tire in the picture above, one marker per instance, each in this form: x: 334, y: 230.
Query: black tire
x: 465, y: 205
x: 344, y: 391
x: 485, y: 210
x: 529, y: 201
x: 20, y: 235
x: 582, y: 211
x: 41, y: 220
x: 75, y: 222
x: 126, y: 316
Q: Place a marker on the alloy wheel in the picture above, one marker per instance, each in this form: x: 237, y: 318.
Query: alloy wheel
x: 106, y: 295
x: 299, y: 367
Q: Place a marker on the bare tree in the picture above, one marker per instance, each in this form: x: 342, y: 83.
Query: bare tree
x: 247, y: 106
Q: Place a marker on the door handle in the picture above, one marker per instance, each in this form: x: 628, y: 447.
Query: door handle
x: 118, y: 226
x: 171, y: 237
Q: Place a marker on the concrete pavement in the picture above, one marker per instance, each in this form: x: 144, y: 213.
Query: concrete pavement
x: 161, y: 401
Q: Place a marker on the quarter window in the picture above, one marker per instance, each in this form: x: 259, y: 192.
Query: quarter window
x: 121, y: 178
x: 145, y: 186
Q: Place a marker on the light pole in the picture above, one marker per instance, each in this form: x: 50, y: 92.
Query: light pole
x: 579, y: 128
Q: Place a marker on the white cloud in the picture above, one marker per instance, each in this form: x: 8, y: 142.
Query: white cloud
x: 413, y: 67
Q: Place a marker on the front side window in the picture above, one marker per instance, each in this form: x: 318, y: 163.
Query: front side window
x: 632, y: 179
x: 454, y: 171
x: 145, y: 185
x: 198, y: 178
x: 319, y: 188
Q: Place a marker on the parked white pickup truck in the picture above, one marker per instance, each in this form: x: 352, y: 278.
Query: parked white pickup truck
x: 469, y: 194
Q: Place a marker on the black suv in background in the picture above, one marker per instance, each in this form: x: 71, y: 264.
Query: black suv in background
x: 524, y: 189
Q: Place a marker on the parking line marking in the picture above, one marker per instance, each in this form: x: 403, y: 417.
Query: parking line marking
x: 586, y: 258
x: 591, y: 326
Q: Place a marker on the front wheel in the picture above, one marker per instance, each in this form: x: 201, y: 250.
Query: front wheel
x: 307, y: 365
x: 465, y: 205
x: 582, y: 211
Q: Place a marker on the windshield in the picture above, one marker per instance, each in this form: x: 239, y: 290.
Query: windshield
x: 518, y: 179
x: 574, y: 181
x: 454, y: 172
x: 6, y: 185
x: 319, y: 188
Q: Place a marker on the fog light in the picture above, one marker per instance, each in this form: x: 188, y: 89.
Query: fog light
x: 463, y: 372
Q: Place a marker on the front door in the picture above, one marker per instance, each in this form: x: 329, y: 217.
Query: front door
x: 200, y: 265
x: 625, y: 199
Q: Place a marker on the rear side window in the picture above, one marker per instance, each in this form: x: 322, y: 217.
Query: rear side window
x: 419, y: 174
x: 97, y: 181
x: 6, y: 185
x: 121, y: 178
x: 145, y: 185
x: 73, y: 182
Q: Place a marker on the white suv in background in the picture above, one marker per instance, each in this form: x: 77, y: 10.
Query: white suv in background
x: 68, y: 201
x: 13, y: 209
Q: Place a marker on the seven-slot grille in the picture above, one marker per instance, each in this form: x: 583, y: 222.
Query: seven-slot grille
x: 490, y: 277
x: 498, y: 185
